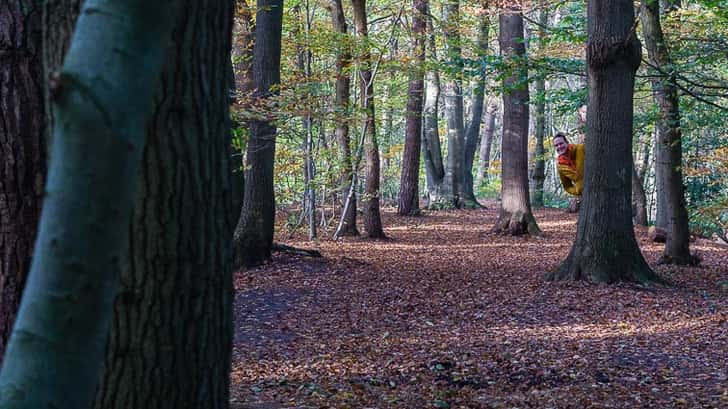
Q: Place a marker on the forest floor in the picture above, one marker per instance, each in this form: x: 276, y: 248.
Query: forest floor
x: 447, y: 315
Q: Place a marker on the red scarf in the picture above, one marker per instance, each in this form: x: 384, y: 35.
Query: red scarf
x: 566, y: 159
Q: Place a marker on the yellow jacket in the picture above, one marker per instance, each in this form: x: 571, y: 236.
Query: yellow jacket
x: 571, y: 169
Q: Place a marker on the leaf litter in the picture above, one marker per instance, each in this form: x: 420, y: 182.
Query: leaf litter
x: 447, y: 315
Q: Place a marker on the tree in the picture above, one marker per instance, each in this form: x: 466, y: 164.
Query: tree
x: 341, y: 105
x: 253, y: 237
x: 101, y: 100
x: 431, y: 149
x: 409, y: 197
x: 23, y: 153
x: 472, y: 133
x: 372, y: 217
x: 452, y: 184
x: 171, y: 338
x: 605, y: 249
x: 669, y: 143
x: 539, y: 164
x: 486, y: 141
x: 515, y: 215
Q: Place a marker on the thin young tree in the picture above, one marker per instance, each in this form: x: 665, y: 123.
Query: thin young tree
x: 431, y: 149
x: 341, y: 106
x: 472, y: 132
x: 101, y: 99
x: 605, y: 249
x: 253, y: 238
x: 23, y: 153
x: 515, y: 216
x: 409, y: 197
x: 452, y: 184
x: 486, y: 142
x: 538, y: 174
x: 171, y: 338
x: 669, y: 143
x: 372, y: 216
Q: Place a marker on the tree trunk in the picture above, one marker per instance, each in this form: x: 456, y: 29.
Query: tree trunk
x: 341, y: 105
x: 472, y: 134
x: 101, y: 100
x: 372, y: 218
x: 605, y: 249
x: 409, y: 197
x: 486, y: 141
x: 639, y: 200
x: 23, y: 153
x: 431, y: 149
x: 170, y: 343
x: 454, y: 108
x: 253, y: 236
x: 515, y: 212
x: 539, y: 166
x: 668, y: 146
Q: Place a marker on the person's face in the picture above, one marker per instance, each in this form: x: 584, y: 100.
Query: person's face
x: 561, y: 146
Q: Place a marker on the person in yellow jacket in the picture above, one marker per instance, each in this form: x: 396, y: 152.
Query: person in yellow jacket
x: 571, y: 164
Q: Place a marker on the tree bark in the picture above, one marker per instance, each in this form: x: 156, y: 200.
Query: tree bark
x: 454, y: 108
x: 101, y: 100
x: 515, y: 215
x: 431, y: 149
x: 253, y: 236
x: 472, y: 133
x: 668, y: 146
x: 605, y: 249
x: 409, y: 197
x: 372, y: 217
x: 171, y: 337
x: 486, y: 141
x: 23, y: 153
x: 639, y: 200
x: 539, y: 165
x: 341, y: 105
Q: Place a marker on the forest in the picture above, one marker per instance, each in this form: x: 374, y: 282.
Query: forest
x: 239, y: 204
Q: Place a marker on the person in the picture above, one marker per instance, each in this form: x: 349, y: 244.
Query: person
x: 570, y: 164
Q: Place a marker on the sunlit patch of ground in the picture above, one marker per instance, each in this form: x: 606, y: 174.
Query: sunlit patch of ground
x: 445, y: 314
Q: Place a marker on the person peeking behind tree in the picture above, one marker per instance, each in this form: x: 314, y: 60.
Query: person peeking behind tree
x: 571, y: 164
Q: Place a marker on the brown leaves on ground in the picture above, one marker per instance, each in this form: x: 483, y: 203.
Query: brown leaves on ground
x: 445, y: 315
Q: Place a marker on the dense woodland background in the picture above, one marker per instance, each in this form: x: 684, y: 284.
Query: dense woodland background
x: 157, y: 154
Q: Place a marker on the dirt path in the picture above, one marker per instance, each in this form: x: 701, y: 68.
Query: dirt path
x: 446, y: 315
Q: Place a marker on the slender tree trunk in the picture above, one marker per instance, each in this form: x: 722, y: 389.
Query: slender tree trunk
x: 170, y: 343
x: 23, y: 153
x: 486, y: 141
x: 639, y: 200
x: 515, y: 212
x: 539, y: 166
x: 472, y: 134
x: 669, y: 143
x: 341, y: 104
x: 253, y: 236
x: 409, y: 197
x: 101, y: 100
x: 431, y: 149
x: 372, y: 218
x: 605, y: 249
x: 454, y: 108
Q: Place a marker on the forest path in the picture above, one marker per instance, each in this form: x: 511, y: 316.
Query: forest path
x: 445, y: 314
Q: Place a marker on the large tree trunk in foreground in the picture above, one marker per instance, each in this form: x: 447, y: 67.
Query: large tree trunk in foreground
x: 539, y: 161
x: 605, y: 249
x: 453, y: 108
x: 23, y: 152
x: 372, y: 218
x: 472, y: 133
x: 515, y: 211
x: 431, y: 149
x: 254, y: 233
x: 409, y: 196
x: 486, y: 141
x: 101, y: 100
x: 171, y: 337
x: 669, y: 143
x: 341, y: 105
